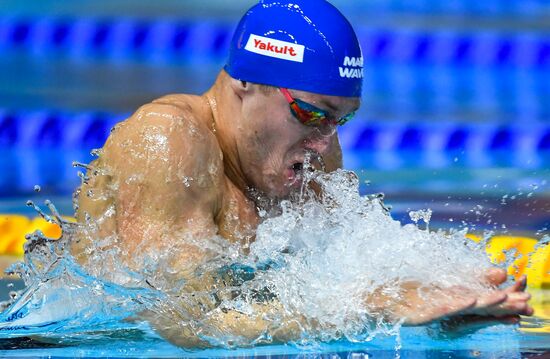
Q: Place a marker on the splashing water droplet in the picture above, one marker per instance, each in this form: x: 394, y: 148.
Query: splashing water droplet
x: 319, y: 256
x: 96, y: 152
x: 187, y: 181
x: 424, y: 215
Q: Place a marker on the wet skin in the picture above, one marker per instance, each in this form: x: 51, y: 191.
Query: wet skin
x: 192, y: 167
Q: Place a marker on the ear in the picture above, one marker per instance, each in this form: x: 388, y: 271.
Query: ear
x: 241, y: 88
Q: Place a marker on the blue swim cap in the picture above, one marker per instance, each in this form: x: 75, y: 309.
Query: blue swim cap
x: 304, y: 45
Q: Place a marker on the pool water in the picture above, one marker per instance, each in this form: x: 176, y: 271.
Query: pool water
x: 119, y: 338
x: 531, y: 339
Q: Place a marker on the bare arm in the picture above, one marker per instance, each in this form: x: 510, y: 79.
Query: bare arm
x: 158, y: 179
x: 417, y: 305
x: 243, y: 329
x: 156, y: 188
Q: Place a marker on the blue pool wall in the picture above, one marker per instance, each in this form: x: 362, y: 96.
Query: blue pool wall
x: 445, y: 82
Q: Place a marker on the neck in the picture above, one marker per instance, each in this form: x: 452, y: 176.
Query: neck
x: 225, y: 110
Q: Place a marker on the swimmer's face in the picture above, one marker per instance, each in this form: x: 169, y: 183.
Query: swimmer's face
x: 273, y: 144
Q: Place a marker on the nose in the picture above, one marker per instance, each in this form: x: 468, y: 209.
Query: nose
x: 326, y: 129
x: 318, y: 142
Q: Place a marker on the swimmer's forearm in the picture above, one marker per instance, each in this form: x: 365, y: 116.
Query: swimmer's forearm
x: 417, y: 305
x: 264, y: 321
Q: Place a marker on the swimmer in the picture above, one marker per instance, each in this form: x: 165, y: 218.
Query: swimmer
x: 190, y: 167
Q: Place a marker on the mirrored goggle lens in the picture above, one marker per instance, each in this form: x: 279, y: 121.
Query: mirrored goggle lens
x: 312, y: 116
x: 308, y: 114
x: 345, y: 118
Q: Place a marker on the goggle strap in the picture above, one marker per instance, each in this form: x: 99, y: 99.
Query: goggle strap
x: 287, y: 95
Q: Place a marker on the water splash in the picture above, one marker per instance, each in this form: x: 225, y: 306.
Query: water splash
x: 337, y: 250
x: 60, y: 298
x: 318, y: 259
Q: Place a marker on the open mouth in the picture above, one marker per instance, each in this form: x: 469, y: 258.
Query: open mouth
x: 298, y: 167
x: 309, y: 163
x: 297, y: 170
x: 294, y: 174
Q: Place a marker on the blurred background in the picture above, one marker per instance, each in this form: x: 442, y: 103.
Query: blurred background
x: 456, y: 100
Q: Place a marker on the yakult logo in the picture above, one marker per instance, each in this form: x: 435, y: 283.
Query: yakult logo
x: 349, y: 71
x: 275, y: 48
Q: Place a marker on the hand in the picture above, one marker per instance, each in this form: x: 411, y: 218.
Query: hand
x: 424, y: 305
x: 515, y: 303
x: 507, y: 312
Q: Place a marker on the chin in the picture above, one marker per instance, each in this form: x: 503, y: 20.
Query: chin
x: 287, y: 189
x: 276, y: 192
x: 281, y: 186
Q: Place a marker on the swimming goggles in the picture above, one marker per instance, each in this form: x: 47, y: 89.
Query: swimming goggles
x: 310, y: 115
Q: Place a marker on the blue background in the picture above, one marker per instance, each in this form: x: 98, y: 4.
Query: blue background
x: 456, y: 100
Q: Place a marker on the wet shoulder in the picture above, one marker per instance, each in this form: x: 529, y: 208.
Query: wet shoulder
x: 176, y: 116
x: 170, y: 136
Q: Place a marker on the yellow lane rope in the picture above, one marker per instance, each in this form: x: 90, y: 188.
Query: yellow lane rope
x: 529, y: 257
x: 13, y: 229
